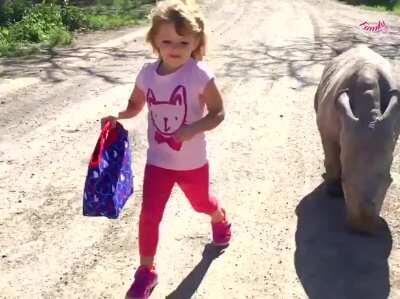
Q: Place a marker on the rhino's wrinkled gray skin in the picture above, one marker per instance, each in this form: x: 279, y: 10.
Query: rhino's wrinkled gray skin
x: 357, y: 116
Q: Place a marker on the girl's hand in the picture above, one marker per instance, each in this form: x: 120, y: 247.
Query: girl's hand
x: 184, y: 133
x: 110, y: 118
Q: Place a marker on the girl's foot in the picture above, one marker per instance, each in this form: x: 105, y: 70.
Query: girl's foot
x: 221, y: 232
x: 146, y: 279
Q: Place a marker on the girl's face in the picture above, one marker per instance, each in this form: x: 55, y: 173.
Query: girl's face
x: 174, y: 49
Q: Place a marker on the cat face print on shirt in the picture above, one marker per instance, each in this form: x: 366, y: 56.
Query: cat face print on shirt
x: 168, y: 115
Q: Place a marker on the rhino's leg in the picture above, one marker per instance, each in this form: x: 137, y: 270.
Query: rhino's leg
x: 361, y: 219
x: 316, y: 102
x: 332, y: 167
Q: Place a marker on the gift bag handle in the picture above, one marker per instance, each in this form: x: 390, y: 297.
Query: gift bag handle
x: 108, y: 136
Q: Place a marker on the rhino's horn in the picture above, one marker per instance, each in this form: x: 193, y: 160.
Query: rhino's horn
x: 343, y: 104
x: 393, y: 104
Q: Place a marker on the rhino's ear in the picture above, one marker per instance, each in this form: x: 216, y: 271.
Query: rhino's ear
x: 392, y: 108
x: 343, y: 105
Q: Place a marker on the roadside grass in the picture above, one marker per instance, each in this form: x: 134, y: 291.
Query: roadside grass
x: 395, y: 9
x: 392, y: 6
x: 44, y: 26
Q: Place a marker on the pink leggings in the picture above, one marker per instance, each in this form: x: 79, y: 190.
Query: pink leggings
x: 157, y: 187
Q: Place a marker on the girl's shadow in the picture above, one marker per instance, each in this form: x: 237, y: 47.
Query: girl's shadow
x: 190, y: 284
x: 332, y: 262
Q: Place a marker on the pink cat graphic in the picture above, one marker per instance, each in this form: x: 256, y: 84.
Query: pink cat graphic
x: 168, y: 116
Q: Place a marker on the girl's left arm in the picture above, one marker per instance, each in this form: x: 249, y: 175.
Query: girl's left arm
x: 215, y: 107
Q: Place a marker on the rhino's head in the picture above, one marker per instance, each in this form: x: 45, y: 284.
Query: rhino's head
x: 368, y: 120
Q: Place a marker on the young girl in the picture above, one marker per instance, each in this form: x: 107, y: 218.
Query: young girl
x: 177, y: 88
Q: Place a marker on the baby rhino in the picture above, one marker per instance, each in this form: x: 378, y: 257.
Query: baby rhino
x: 358, y: 118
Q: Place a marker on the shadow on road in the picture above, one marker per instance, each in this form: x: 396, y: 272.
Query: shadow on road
x: 296, y: 58
x: 97, y: 62
x: 333, y: 263
x: 190, y: 284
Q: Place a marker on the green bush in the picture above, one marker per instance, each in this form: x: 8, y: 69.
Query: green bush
x: 58, y: 36
x: 37, y: 25
x: 74, y: 18
x: 388, y: 4
x: 4, y: 37
x: 26, y: 27
x: 12, y: 11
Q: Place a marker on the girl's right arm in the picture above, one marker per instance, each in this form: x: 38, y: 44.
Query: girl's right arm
x: 136, y: 103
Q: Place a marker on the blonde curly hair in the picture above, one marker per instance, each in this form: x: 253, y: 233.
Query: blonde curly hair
x: 186, y: 17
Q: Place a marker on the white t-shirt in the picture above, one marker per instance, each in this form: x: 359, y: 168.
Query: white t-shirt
x: 173, y: 100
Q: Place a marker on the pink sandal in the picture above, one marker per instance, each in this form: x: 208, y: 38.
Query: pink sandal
x: 145, y: 281
x: 221, y: 232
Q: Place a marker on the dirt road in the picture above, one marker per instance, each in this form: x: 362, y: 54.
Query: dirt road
x: 266, y: 165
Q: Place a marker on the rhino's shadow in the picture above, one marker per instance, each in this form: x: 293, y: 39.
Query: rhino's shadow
x: 332, y: 262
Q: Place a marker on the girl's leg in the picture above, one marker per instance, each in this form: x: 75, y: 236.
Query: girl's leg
x: 217, y: 216
x: 195, y: 185
x: 157, y: 187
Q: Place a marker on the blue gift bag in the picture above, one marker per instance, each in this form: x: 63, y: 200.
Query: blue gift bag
x: 109, y: 180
